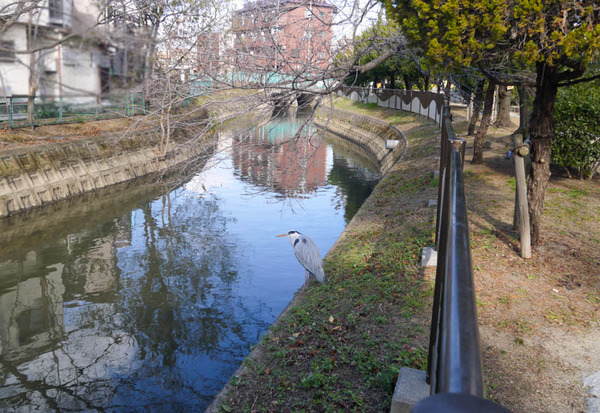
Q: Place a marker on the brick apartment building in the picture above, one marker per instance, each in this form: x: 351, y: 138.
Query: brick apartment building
x: 207, y: 52
x: 285, y: 36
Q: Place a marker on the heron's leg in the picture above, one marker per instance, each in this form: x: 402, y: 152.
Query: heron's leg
x: 306, y: 277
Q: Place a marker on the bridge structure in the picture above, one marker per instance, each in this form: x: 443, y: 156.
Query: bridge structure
x: 281, y: 89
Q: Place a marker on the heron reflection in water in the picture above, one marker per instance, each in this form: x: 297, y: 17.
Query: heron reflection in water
x: 307, y: 254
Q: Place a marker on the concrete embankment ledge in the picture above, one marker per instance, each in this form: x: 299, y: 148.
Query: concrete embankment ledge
x: 339, y: 346
x: 384, y: 142
x: 40, y: 175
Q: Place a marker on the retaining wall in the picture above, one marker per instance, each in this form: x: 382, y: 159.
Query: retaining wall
x: 365, y: 131
x: 428, y: 104
x: 41, y: 175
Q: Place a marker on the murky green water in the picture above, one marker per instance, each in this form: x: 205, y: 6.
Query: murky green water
x: 145, y: 297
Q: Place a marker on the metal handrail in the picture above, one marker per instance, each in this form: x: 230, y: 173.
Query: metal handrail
x: 454, y: 369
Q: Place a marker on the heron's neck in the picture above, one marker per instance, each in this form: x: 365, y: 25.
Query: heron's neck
x: 293, y: 239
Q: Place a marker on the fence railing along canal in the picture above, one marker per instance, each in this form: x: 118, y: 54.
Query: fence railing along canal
x: 454, y: 369
x: 56, y: 109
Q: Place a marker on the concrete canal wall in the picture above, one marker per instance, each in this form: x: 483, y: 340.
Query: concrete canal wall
x: 366, y: 132
x: 40, y: 175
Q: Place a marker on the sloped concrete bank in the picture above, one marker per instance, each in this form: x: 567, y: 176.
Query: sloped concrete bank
x: 369, y: 133
x: 40, y: 175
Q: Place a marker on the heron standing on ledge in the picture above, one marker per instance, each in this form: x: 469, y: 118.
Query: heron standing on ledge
x: 307, y: 254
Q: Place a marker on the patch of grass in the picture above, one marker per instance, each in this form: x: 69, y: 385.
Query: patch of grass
x: 480, y: 302
x: 557, y: 315
x: 401, y: 118
x: 524, y: 326
x: 505, y: 299
x: 592, y: 297
x: 317, y: 381
x: 408, y: 186
x: 512, y: 183
x: 484, y: 239
x: 570, y: 193
x: 364, y: 108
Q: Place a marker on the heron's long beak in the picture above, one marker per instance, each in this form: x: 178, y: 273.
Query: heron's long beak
x: 283, y: 235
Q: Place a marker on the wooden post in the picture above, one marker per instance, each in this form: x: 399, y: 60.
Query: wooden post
x: 521, y: 198
x: 516, y: 212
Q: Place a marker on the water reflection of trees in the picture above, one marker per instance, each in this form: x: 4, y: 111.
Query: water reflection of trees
x: 353, y: 175
x: 86, y: 327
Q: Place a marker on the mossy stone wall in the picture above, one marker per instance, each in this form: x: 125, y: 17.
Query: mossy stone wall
x: 40, y: 175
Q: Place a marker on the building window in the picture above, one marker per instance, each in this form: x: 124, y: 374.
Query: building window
x: 59, y: 12
x: 55, y: 7
x: 7, y: 50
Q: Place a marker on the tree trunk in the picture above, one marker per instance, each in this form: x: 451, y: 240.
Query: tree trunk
x: 149, y: 63
x: 541, y: 130
x: 32, y: 86
x: 407, y: 83
x: 31, y: 90
x: 477, y: 101
x: 526, y: 95
x: 503, y: 118
x: 486, y: 119
x: 392, y: 81
x: 425, y: 83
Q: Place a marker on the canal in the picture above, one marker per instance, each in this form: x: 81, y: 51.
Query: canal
x: 147, y: 296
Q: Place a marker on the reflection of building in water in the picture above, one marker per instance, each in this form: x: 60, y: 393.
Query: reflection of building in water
x: 96, y: 271
x: 285, y: 156
x: 31, y: 309
x: 32, y: 305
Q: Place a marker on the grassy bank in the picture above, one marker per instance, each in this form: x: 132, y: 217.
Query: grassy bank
x: 340, y: 345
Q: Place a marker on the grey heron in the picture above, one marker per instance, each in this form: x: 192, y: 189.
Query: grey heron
x: 307, y: 254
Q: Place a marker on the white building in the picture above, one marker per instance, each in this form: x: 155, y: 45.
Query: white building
x: 60, y: 48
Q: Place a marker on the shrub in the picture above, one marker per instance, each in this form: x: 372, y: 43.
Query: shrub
x: 47, y: 114
x: 576, y: 143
